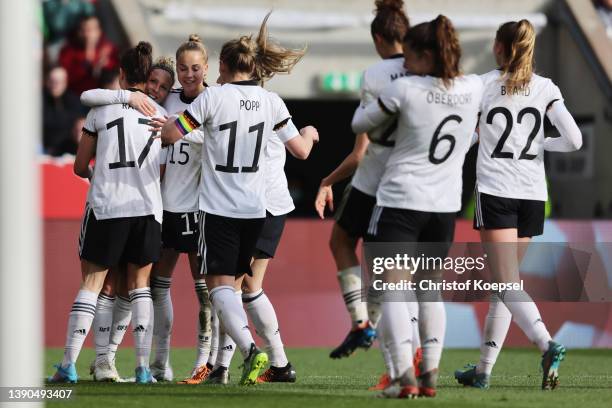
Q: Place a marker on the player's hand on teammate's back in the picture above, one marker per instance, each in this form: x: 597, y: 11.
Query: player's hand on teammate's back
x: 157, y: 124
x: 325, y: 197
x: 142, y: 102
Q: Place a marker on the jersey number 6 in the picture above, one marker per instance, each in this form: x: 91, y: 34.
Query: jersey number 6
x: 436, y: 139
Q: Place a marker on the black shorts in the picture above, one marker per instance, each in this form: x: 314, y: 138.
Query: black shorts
x: 226, y: 244
x: 108, y: 243
x: 180, y: 231
x: 400, y: 225
x: 270, y: 236
x: 493, y: 212
x: 354, y: 212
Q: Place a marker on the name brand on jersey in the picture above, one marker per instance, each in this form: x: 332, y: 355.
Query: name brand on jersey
x: 442, y: 98
x: 516, y: 90
x: 249, y: 105
x: 398, y: 75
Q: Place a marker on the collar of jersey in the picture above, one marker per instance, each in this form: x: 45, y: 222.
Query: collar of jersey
x: 250, y: 82
x: 395, y: 56
x: 185, y: 99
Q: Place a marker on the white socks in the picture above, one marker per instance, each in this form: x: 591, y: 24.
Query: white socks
x: 397, y: 335
x: 496, y: 327
x: 350, y: 285
x: 102, y: 322
x: 374, y: 306
x: 204, y: 323
x: 413, y: 307
x: 527, y: 316
x: 380, y: 331
x: 122, y: 314
x: 79, y: 322
x: 232, y: 317
x: 432, y: 327
x: 142, y: 324
x: 262, y: 314
x: 227, y: 347
x: 163, y: 317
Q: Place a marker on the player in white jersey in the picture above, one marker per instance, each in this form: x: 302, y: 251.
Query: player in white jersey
x: 123, y: 215
x: 511, y: 190
x: 420, y: 190
x: 238, y: 118
x: 113, y: 311
x: 368, y: 161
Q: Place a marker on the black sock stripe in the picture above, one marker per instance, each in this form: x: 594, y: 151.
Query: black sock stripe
x: 250, y: 299
x: 106, y: 297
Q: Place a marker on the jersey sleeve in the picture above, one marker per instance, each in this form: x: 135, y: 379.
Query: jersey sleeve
x: 391, y: 98
x: 100, y: 97
x: 195, y: 137
x: 196, y: 113
x: 89, y: 126
x: 283, y: 125
x: 367, y: 95
x: 554, y: 94
x: 163, y: 155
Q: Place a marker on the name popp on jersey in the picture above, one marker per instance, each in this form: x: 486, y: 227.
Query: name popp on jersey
x: 443, y: 98
x: 249, y: 105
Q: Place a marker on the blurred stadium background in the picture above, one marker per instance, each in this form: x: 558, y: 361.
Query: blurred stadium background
x: 574, y: 48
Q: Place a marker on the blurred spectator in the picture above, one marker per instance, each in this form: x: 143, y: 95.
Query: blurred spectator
x: 604, y: 9
x: 62, y: 16
x: 87, y: 56
x: 62, y: 111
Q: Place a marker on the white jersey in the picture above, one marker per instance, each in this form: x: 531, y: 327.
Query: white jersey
x: 372, y: 166
x: 435, y: 128
x: 511, y: 152
x: 278, y: 198
x: 125, y: 180
x: 238, y: 120
x: 182, y: 177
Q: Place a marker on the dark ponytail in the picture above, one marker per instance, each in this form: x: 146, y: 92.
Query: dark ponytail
x: 390, y: 22
x: 440, y: 38
x: 136, y: 63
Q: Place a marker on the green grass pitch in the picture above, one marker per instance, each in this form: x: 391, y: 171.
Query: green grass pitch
x: 586, y: 381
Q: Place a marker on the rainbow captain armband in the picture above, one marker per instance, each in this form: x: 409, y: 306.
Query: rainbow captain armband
x: 186, y: 123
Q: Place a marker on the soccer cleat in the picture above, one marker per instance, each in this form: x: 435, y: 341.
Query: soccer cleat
x: 253, y: 364
x: 383, y: 383
x: 361, y: 336
x: 278, y: 374
x: 417, y: 359
x: 404, y: 387
x: 428, y: 383
x: 105, y: 371
x: 64, y: 374
x: 470, y: 378
x: 551, y: 360
x: 143, y: 375
x: 219, y: 375
x: 198, y: 375
x: 162, y: 372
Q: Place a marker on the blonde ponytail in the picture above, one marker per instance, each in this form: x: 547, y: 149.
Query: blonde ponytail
x: 518, y: 41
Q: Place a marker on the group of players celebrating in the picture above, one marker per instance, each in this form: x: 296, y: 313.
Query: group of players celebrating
x: 209, y: 181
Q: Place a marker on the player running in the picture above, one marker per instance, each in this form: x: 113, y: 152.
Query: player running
x: 239, y: 118
x: 511, y: 190
x: 420, y: 191
x: 367, y: 160
x: 122, y: 220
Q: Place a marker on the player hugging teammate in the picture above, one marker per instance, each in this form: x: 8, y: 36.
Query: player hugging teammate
x: 225, y: 209
x: 429, y: 119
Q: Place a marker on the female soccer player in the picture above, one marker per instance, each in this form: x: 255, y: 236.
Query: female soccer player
x: 113, y: 313
x: 420, y: 190
x: 239, y: 117
x: 511, y: 189
x: 122, y: 220
x: 368, y: 158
